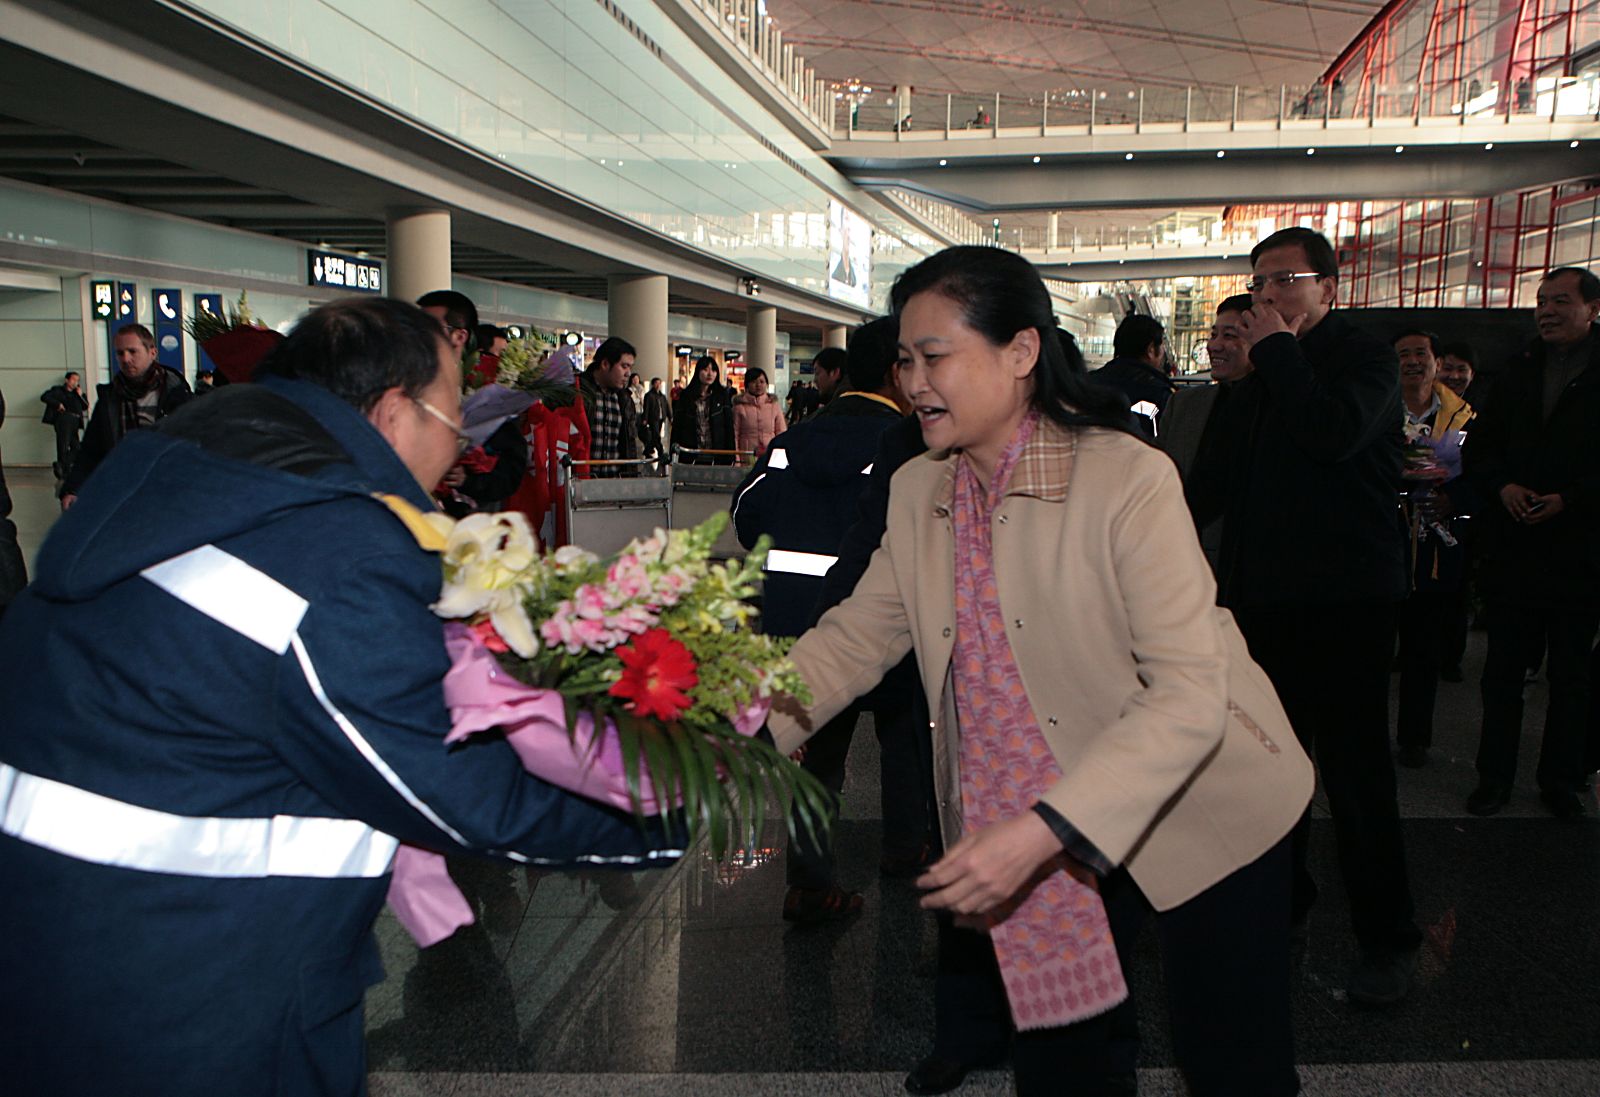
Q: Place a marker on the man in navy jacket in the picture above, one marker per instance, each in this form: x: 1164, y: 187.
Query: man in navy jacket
x: 192, y: 863
x: 804, y: 492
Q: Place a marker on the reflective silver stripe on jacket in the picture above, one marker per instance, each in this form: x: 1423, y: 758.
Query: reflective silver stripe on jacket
x: 799, y: 563
x: 95, y: 828
x: 232, y: 593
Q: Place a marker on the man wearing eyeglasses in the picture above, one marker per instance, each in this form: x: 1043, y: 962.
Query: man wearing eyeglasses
x: 1313, y: 565
x: 194, y: 862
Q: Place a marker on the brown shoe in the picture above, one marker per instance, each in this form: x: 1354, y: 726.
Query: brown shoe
x: 810, y: 907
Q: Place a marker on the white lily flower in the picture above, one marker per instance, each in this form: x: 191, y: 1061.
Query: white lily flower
x: 486, y: 562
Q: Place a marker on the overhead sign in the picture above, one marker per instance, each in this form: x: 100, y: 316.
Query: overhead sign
x: 325, y: 268
x: 102, y: 296
x: 167, y: 317
x: 127, y: 303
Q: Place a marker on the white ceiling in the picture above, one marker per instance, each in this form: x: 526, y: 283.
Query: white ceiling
x: 1020, y: 48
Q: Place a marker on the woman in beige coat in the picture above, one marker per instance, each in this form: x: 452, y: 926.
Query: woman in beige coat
x: 1102, y: 743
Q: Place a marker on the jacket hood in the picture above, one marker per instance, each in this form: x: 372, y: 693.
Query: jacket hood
x: 197, y: 480
x: 828, y: 451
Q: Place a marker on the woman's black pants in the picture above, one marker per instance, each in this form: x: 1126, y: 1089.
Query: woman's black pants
x: 1225, y: 962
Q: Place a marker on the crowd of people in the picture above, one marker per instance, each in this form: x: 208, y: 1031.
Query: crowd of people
x: 1111, y: 631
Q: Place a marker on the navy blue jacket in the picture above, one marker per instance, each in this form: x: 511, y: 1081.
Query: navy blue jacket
x: 222, y: 708
x: 1140, y: 383
x: 804, y: 491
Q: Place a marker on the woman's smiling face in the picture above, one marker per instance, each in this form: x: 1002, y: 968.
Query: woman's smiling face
x: 967, y: 393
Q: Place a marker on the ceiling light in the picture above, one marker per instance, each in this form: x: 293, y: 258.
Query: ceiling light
x: 1573, y: 145
x: 1311, y: 152
x: 1127, y: 156
x: 1399, y: 148
x: 1487, y: 146
x: 942, y: 163
x: 1220, y: 154
x: 1035, y: 159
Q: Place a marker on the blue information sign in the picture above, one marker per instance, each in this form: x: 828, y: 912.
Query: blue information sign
x: 211, y: 303
x: 167, y: 314
x: 345, y: 272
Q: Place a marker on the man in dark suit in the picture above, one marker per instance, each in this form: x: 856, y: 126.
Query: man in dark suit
x: 64, y: 409
x: 1532, y: 452
x: 1186, y: 425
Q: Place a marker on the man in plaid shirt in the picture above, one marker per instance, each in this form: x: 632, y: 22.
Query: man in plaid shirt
x: 613, y: 420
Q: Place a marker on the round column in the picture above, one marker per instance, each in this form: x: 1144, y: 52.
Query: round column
x: 761, y: 338
x: 636, y: 310
x: 419, y: 253
x: 835, y: 335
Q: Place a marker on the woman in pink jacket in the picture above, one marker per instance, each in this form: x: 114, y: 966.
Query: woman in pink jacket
x: 757, y: 415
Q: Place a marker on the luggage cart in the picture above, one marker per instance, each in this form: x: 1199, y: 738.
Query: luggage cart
x: 603, y: 515
x: 701, y: 489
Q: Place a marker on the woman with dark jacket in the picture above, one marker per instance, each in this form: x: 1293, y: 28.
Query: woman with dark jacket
x: 702, y: 417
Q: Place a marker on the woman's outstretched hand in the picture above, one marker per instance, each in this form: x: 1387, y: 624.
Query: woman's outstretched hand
x: 987, y: 867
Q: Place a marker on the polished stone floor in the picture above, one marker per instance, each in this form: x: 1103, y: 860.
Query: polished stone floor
x: 686, y: 981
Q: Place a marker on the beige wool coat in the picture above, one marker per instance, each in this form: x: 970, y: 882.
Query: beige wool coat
x: 1176, y: 758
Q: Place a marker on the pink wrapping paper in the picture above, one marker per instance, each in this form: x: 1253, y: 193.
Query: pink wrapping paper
x: 424, y: 898
x: 481, y: 696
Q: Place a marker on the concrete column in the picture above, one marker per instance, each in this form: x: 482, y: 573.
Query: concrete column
x: 419, y: 253
x: 1055, y: 231
x: 835, y: 335
x: 761, y: 338
x: 636, y: 310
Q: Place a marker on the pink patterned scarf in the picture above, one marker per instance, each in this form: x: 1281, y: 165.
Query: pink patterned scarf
x: 1053, y: 941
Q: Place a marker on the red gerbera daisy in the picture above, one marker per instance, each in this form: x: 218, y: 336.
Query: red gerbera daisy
x: 657, y: 671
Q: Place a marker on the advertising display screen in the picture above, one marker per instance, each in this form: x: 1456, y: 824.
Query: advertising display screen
x: 849, y: 256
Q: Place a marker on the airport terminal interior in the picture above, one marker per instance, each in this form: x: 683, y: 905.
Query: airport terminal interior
x: 742, y: 181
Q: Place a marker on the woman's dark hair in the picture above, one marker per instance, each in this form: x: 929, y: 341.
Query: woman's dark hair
x: 1001, y: 294
x: 751, y: 373
x: 360, y: 347
x: 692, y: 390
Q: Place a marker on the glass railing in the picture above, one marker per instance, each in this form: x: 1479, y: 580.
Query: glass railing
x: 924, y: 116
x: 1212, y: 238
x: 1197, y: 235
x: 750, y: 31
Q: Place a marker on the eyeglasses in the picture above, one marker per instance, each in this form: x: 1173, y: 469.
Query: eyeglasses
x: 464, y: 441
x: 1283, y: 279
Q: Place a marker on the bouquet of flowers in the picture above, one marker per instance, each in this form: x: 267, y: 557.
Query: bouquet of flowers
x: 1427, y: 464
x: 633, y: 680
x: 235, y: 341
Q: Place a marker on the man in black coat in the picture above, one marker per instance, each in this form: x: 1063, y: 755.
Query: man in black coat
x: 657, y: 420
x: 1139, y: 369
x: 64, y: 409
x: 141, y: 394
x: 1532, y: 451
x: 1305, y: 476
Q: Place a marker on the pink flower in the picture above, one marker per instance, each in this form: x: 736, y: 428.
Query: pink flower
x: 589, y: 601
